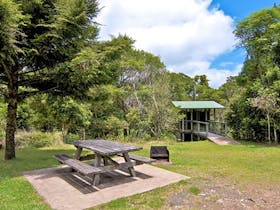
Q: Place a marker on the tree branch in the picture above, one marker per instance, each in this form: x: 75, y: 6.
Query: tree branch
x: 24, y: 94
x: 3, y: 92
x: 8, y: 73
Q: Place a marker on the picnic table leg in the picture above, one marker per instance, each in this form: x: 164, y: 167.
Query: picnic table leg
x: 130, y: 169
x: 105, y: 161
x: 97, y: 163
x: 78, y: 153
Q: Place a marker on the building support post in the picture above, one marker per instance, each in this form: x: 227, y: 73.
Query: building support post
x: 198, y: 129
x: 192, y: 125
x: 215, y: 121
x: 207, y: 129
x: 183, y: 130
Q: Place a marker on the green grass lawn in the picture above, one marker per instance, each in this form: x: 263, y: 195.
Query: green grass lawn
x: 244, y: 164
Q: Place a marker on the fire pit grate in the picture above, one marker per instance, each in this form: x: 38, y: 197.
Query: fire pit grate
x: 159, y: 153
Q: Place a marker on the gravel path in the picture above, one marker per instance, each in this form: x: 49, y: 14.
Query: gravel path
x: 222, y: 194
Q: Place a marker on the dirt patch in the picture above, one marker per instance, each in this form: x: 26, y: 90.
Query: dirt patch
x: 222, y: 194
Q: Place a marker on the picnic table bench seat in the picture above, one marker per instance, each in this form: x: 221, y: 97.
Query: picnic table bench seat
x: 104, y: 151
x: 139, y: 159
x: 81, y: 167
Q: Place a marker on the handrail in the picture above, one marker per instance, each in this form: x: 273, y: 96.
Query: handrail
x: 196, y: 121
x: 211, y: 125
x: 198, y: 124
x: 212, y: 121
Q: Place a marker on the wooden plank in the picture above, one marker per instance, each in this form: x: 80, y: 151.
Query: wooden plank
x: 78, y: 153
x: 124, y: 165
x: 79, y: 166
x: 114, y: 146
x: 217, y: 139
x: 97, y: 163
x: 87, y: 157
x: 105, y: 147
x: 131, y: 169
x: 141, y: 159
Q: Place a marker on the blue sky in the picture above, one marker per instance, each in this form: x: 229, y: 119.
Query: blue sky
x: 190, y: 36
x: 238, y: 10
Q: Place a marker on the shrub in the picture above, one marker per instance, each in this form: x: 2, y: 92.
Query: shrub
x: 71, y: 137
x: 37, y: 139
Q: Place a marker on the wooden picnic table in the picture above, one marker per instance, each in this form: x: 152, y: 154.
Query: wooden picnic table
x: 103, y: 150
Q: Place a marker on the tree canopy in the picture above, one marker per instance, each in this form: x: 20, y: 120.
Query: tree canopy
x: 251, y: 116
x: 42, y: 50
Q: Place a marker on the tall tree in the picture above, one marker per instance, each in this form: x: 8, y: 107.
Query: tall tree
x: 259, y: 34
x: 148, y: 103
x: 267, y: 103
x: 181, y: 86
x: 38, y: 39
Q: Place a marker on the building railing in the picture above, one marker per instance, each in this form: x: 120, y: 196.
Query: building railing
x: 218, y: 127
x: 204, y: 127
x: 199, y: 126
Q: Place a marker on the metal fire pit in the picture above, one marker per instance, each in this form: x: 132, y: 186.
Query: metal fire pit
x: 159, y: 153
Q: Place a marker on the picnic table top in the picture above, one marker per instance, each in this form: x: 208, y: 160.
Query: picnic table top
x: 106, y: 147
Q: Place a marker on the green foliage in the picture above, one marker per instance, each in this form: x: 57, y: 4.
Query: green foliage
x: 202, y: 91
x: 39, y: 39
x: 70, y: 114
x: 149, y: 102
x: 3, y: 110
x: 115, y: 126
x: 71, y: 137
x: 181, y: 86
x: 11, y: 19
x: 37, y: 139
x: 259, y: 79
x: 139, y: 105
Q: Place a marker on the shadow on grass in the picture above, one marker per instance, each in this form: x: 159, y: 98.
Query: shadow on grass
x: 84, y: 183
x: 28, y: 159
x: 259, y: 144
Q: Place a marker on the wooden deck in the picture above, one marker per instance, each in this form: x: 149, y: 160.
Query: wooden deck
x: 217, y: 139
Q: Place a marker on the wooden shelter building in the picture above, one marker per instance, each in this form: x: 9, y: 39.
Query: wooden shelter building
x: 200, y: 120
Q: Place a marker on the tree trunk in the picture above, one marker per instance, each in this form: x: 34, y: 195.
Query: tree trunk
x: 11, y: 122
x: 64, y: 132
x: 268, y: 128
x: 275, y: 133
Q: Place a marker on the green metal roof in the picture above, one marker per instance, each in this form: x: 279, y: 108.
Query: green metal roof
x: 198, y: 105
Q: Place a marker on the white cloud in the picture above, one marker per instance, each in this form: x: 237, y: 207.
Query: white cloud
x: 186, y: 34
x: 216, y: 76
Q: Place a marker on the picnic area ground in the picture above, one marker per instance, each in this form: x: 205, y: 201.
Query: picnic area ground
x: 222, y: 177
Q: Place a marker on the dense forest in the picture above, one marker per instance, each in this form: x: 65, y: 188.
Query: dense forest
x: 55, y: 75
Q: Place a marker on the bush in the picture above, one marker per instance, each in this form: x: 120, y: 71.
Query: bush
x: 37, y: 139
x: 71, y: 137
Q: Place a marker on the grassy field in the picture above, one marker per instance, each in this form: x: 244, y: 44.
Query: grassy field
x: 244, y: 164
